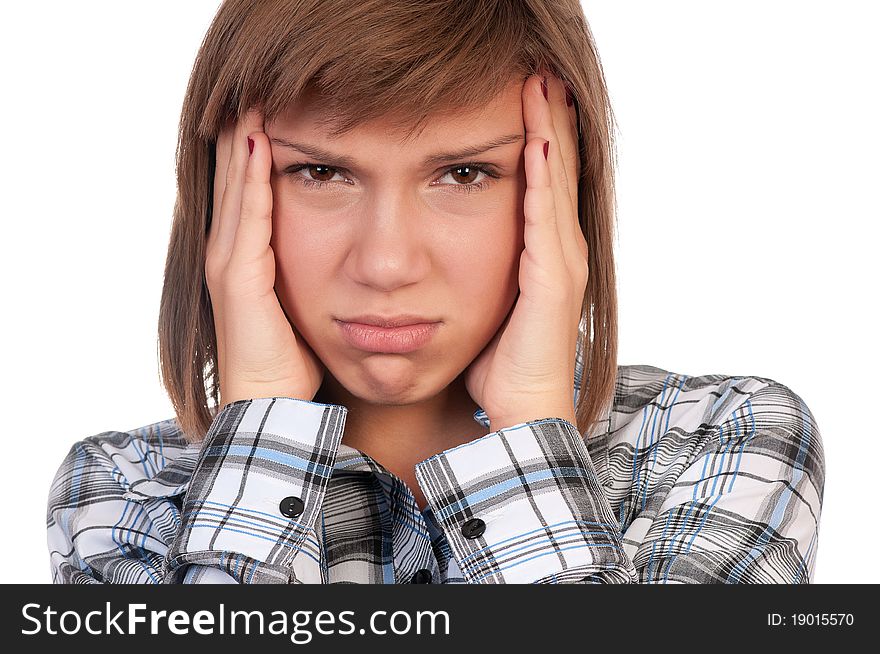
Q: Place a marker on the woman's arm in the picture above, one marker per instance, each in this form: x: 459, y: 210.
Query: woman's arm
x: 746, y: 508
x: 738, y: 500
x: 247, y: 517
x: 523, y: 505
x: 258, y: 491
x: 96, y: 535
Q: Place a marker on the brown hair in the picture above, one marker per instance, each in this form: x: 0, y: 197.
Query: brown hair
x: 370, y: 59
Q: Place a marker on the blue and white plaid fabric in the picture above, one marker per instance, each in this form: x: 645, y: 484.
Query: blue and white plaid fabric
x: 709, y: 479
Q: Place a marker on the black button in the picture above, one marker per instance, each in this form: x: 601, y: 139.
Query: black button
x: 291, y: 506
x: 422, y: 577
x: 473, y: 528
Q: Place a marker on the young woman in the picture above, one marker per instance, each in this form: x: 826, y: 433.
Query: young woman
x: 391, y: 262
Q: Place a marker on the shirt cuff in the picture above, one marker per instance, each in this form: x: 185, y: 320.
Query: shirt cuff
x: 257, y: 491
x: 524, y: 505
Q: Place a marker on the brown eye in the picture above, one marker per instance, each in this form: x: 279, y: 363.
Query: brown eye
x: 465, y: 174
x: 313, y: 175
x: 324, y: 173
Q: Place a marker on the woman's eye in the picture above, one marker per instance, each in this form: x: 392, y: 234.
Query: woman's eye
x: 463, y: 176
x: 316, y: 175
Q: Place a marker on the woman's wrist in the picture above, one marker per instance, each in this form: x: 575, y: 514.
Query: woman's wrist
x: 528, y: 415
x: 252, y: 392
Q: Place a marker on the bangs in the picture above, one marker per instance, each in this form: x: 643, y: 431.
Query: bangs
x: 401, y: 60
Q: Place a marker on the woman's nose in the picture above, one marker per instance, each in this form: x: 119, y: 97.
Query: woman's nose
x: 391, y: 247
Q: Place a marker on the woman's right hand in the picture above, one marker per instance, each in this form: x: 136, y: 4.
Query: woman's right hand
x: 259, y: 354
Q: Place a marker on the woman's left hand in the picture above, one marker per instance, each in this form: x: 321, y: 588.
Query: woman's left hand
x: 526, y: 372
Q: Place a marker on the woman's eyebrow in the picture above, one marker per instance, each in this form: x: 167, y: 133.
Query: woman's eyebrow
x: 344, y: 161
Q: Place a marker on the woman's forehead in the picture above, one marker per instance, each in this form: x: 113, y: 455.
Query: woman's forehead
x: 501, y: 114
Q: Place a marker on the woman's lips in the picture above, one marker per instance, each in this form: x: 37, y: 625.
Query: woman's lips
x: 389, y: 340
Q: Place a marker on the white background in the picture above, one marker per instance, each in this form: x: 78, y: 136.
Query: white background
x: 748, y: 174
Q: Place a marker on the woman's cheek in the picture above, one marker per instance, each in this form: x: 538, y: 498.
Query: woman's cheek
x: 297, y: 265
x: 301, y: 224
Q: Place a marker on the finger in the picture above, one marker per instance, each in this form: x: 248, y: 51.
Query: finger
x: 538, y: 121
x: 563, y: 170
x: 216, y: 256
x: 573, y: 244
x: 233, y: 181
x: 561, y: 175
x: 564, y: 123
x: 255, y: 224
x: 541, y: 234
x: 219, y: 230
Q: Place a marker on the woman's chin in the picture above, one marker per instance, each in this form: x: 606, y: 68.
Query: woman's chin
x: 391, y: 379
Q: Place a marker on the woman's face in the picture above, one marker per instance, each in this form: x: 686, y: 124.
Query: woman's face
x: 399, y: 228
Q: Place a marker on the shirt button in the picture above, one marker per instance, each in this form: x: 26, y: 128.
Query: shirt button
x: 422, y: 577
x: 473, y: 528
x: 291, y: 506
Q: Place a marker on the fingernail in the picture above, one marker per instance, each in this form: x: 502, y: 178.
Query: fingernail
x: 544, y: 86
x: 546, y: 148
x: 569, y: 96
x: 250, y: 145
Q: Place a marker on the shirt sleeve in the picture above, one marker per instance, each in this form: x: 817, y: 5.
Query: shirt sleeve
x: 257, y: 493
x: 248, y: 515
x: 744, y: 509
x: 94, y: 534
x: 534, y: 488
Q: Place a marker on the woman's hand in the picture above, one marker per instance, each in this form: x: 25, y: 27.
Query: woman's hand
x: 258, y: 352
x: 527, y: 371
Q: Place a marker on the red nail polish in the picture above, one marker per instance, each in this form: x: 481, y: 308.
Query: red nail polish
x: 250, y: 145
x: 546, y: 148
x: 544, y: 86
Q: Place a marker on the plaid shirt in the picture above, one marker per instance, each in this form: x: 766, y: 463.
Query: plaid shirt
x: 686, y: 480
